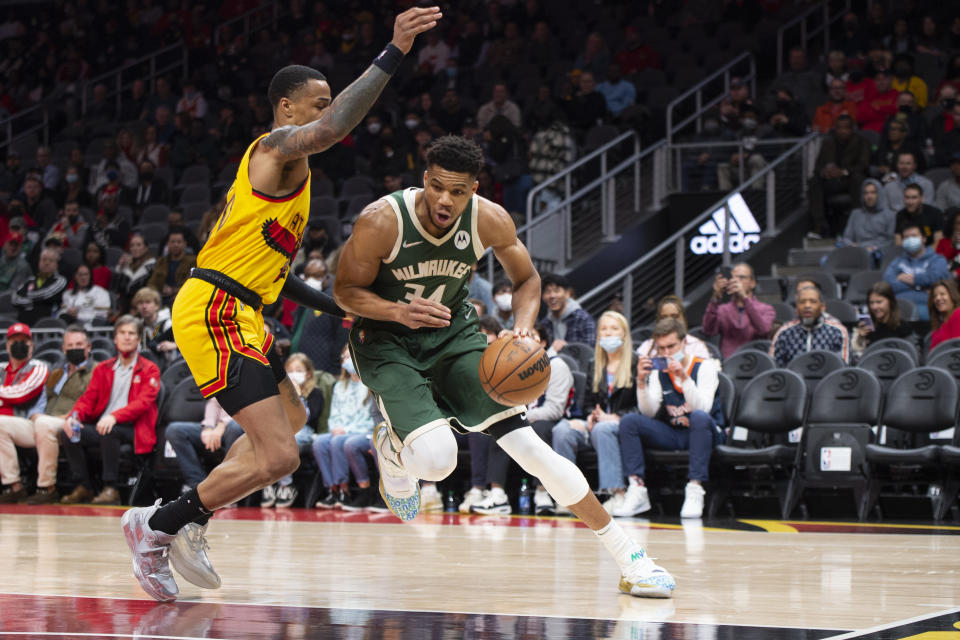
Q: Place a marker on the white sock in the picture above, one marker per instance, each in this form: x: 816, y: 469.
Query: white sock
x: 622, y: 547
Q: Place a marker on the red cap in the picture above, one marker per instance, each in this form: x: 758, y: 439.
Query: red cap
x: 19, y: 329
x: 13, y: 236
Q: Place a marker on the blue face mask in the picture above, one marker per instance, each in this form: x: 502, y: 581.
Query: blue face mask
x: 348, y: 366
x: 610, y: 344
x: 678, y: 357
x: 912, y: 244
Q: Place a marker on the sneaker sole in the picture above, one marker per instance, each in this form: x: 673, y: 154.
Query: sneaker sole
x: 644, y: 590
x: 191, y: 573
x: 505, y: 510
x: 159, y: 596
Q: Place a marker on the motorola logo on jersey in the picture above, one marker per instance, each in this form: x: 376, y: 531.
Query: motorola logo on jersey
x: 744, y: 230
x: 461, y: 240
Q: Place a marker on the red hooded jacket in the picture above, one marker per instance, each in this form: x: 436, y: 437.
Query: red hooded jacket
x: 141, y: 409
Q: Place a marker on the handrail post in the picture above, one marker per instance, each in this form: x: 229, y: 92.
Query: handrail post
x: 678, y: 275
x: 771, y: 204
x: 627, y: 298
x: 726, y: 234
x: 603, y: 196
x: 636, y: 174
x: 826, y: 27
x: 779, y: 51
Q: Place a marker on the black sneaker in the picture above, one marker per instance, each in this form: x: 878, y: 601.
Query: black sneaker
x: 377, y: 505
x: 358, y: 500
x: 286, y: 495
x: 330, y: 502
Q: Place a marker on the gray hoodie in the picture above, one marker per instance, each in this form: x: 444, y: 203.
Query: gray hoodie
x: 871, y: 227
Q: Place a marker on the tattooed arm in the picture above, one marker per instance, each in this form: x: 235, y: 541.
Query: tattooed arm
x: 351, y: 106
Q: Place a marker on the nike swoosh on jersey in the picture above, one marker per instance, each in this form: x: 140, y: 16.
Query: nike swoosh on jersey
x: 407, y: 245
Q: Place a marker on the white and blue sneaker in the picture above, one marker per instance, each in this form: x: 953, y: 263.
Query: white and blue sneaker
x: 400, y: 490
x: 645, y: 579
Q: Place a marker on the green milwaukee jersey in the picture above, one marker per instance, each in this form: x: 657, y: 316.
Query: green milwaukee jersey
x: 423, y: 265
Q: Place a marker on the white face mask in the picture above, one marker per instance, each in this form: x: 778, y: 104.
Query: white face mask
x: 316, y: 283
x: 504, y: 301
x: 347, y: 365
x: 297, y: 377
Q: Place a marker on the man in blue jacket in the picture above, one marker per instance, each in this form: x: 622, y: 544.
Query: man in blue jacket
x: 914, y: 272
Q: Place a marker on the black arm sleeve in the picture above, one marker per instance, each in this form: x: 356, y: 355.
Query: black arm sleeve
x: 298, y: 291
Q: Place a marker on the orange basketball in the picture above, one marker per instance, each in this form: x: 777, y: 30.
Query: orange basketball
x: 514, y: 371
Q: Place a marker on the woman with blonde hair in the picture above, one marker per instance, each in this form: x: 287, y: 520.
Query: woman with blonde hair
x: 671, y: 306
x: 611, y: 394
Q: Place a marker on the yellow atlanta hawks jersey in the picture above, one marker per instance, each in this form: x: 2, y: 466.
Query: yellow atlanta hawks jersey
x: 257, y: 235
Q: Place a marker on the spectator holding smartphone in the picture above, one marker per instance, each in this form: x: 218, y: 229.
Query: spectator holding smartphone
x: 883, y: 321
x: 742, y: 318
x: 671, y: 306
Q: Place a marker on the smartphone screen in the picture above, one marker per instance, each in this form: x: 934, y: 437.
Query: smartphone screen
x: 726, y: 272
x: 659, y: 363
x: 865, y: 319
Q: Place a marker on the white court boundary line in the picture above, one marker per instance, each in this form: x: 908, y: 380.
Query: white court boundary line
x: 884, y: 627
x: 652, y: 620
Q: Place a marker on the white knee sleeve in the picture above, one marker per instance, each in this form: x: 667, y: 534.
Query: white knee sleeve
x: 431, y: 456
x: 560, y: 477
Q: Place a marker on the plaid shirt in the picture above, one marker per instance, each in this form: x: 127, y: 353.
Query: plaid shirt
x: 579, y: 326
x: 828, y: 334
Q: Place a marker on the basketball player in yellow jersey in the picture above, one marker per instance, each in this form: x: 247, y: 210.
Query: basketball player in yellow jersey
x: 217, y: 321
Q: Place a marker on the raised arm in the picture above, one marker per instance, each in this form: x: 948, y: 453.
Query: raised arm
x: 373, y: 240
x: 351, y: 106
x: 498, y: 231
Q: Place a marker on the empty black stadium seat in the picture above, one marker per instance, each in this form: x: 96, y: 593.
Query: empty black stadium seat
x: 744, y: 365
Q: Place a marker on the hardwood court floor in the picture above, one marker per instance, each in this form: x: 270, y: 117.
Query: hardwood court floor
x: 773, y: 576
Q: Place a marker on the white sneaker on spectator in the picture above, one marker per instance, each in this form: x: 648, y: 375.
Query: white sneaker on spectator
x: 614, y: 502
x: 693, y: 501
x: 496, y: 503
x: 269, y: 496
x: 471, y: 498
x: 286, y: 494
x: 430, y: 499
x: 542, y: 502
x: 635, y: 501
x: 561, y: 510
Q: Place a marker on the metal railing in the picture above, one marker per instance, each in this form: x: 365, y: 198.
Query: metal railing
x: 730, y: 226
x: 264, y: 16
x: 36, y: 120
x: 721, y: 165
x: 811, y: 23
x: 696, y: 101
x: 592, y: 199
x: 148, y: 68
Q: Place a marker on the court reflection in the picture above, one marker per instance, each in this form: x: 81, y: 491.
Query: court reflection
x: 49, y: 615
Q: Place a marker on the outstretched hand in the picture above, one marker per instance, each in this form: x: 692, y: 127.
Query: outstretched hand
x: 412, y: 22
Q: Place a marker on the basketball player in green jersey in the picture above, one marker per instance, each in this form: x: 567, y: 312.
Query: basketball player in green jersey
x: 404, y: 274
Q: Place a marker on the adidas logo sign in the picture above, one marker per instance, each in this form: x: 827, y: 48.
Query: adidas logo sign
x: 744, y: 230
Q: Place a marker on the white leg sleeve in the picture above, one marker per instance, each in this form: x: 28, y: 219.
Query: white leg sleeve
x: 431, y: 456
x: 561, y: 478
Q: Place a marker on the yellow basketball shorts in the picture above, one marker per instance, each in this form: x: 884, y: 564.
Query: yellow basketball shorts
x: 226, y: 346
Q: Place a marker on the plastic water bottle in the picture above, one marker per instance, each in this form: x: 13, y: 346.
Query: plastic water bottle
x: 77, y: 428
x: 450, y: 502
x: 525, y: 505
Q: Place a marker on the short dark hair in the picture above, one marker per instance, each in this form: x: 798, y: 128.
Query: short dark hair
x: 490, y: 324
x: 913, y: 187
x: 178, y: 230
x: 554, y: 279
x: 289, y: 80
x: 911, y: 225
x: 500, y: 285
x: 912, y: 155
x: 544, y: 332
x: 807, y: 283
x: 666, y: 326
x: 455, y: 153
x: 844, y: 117
x: 76, y: 328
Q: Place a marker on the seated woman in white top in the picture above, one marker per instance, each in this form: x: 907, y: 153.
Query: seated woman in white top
x: 85, y: 301
x: 670, y: 306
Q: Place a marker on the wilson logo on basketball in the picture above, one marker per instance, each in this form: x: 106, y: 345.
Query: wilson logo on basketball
x: 537, y: 367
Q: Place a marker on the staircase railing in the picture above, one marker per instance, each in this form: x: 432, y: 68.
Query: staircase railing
x: 811, y: 23
x: 708, y: 93
x: 727, y: 228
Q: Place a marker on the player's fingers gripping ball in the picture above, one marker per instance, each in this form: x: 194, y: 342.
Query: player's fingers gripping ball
x: 514, y: 371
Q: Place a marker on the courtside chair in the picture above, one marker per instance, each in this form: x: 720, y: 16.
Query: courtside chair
x: 887, y: 365
x: 743, y: 366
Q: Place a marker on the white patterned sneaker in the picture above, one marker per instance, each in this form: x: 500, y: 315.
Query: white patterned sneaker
x: 645, y: 579
x: 400, y: 490
x: 188, y: 555
x: 151, y: 553
x: 496, y: 503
